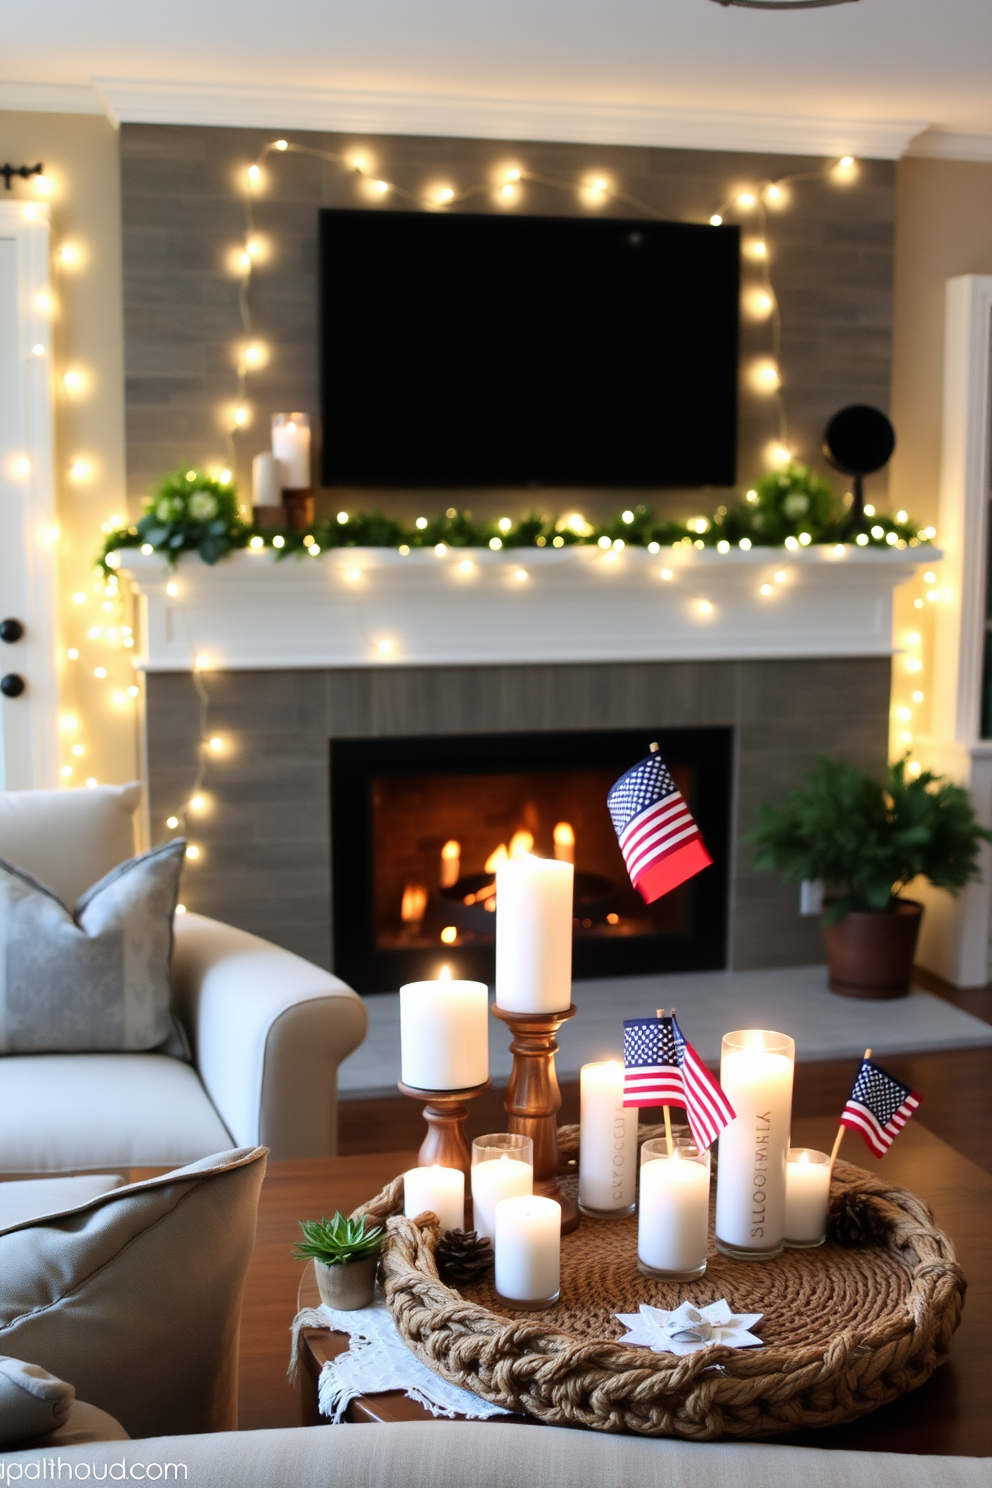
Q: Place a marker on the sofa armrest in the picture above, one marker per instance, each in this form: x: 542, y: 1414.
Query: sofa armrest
x: 268, y: 1031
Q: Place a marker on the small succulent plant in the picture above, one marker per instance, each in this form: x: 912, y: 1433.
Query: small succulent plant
x: 337, y: 1241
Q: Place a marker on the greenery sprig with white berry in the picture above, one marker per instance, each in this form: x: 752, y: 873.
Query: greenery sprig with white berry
x: 193, y: 512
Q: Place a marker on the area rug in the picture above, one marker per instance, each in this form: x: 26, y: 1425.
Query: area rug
x: 792, y: 999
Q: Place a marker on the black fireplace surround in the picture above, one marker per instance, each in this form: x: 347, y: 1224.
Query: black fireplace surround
x: 400, y: 910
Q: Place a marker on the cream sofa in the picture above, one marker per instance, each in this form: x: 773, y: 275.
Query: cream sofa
x: 267, y: 1029
x: 480, y: 1454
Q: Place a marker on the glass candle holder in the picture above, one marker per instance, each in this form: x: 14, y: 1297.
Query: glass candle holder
x: 673, y: 1210
x: 502, y: 1168
x: 807, y: 1196
x: 439, y: 1189
x: 608, y: 1144
x: 756, y: 1070
x: 528, y: 1251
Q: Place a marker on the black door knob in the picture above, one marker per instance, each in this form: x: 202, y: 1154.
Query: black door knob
x: 12, y: 685
x: 11, y: 631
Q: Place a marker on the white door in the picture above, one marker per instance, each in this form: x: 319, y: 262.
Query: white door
x: 28, y: 531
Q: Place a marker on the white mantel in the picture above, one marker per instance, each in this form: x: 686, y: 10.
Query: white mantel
x: 375, y: 606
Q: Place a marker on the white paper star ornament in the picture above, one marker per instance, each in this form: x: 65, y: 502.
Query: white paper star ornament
x: 689, y: 1328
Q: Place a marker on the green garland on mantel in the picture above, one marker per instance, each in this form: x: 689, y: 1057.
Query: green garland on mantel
x: 194, y: 512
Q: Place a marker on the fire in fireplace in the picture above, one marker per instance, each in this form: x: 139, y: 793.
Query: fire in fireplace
x: 419, y: 826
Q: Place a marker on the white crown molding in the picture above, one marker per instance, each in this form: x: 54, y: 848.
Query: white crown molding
x: 50, y: 98
x: 144, y: 101
x: 940, y: 144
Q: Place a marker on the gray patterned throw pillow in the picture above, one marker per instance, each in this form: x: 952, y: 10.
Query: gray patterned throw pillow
x: 96, y: 979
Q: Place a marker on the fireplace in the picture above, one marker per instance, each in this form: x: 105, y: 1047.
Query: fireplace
x: 419, y: 825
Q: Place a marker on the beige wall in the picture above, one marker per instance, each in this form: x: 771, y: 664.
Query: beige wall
x: 80, y: 154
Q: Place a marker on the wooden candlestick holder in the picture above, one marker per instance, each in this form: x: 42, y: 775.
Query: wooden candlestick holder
x: 445, y: 1112
x: 533, y: 1098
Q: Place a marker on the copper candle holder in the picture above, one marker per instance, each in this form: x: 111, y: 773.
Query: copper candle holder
x: 533, y: 1099
x: 445, y: 1112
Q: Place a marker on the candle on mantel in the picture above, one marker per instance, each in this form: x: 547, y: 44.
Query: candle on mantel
x: 266, y: 480
x: 444, y: 1034
x: 528, y: 1250
x: 608, y: 1142
x: 807, y: 1194
x: 291, y: 447
x: 673, y: 1211
x: 756, y: 1072
x: 436, y: 1188
x: 534, y: 935
x: 451, y: 863
x: 503, y: 1177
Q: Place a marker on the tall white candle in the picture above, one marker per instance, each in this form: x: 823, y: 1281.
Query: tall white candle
x: 608, y: 1145
x: 291, y: 447
x: 528, y: 1248
x: 502, y: 1178
x: 534, y: 935
x: 756, y: 1074
x: 444, y: 1034
x: 266, y: 480
x: 807, y: 1194
x: 439, y: 1189
x: 673, y: 1214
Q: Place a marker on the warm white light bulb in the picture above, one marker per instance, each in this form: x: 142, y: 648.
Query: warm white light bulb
x: 254, y: 174
x: 746, y: 199
x: 282, y: 144
x: 716, y: 220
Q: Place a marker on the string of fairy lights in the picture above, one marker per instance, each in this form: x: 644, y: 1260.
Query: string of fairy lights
x: 99, y: 621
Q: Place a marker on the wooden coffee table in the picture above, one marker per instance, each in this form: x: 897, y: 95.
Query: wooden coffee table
x: 949, y: 1415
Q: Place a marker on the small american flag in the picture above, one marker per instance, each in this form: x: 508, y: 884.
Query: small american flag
x: 661, y: 1069
x: 878, y: 1107
x: 660, y: 842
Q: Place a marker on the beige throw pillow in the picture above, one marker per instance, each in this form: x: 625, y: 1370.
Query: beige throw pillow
x: 136, y: 1296
x: 96, y: 979
x: 32, y: 1401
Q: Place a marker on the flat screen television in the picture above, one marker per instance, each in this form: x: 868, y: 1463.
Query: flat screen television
x: 468, y: 349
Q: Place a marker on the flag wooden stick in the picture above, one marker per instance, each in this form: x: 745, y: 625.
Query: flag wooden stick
x: 669, y: 1139
x: 841, y: 1130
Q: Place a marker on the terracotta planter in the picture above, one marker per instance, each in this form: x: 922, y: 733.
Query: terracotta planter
x: 871, y: 954
x: 349, y: 1286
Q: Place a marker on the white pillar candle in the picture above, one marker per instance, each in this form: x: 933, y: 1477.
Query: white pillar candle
x: 528, y: 1248
x: 608, y: 1146
x: 756, y: 1074
x: 502, y: 1178
x: 673, y: 1213
x: 534, y: 935
x: 439, y: 1189
x: 807, y: 1194
x: 444, y: 1034
x: 266, y: 481
x: 291, y: 447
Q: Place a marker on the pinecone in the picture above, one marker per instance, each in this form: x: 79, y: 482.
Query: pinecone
x: 462, y: 1255
x: 857, y: 1219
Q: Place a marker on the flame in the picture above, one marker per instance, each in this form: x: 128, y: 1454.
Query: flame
x: 414, y: 904
x: 444, y: 975
x: 451, y: 863
x: 494, y: 859
x: 521, y: 843
x: 564, y: 839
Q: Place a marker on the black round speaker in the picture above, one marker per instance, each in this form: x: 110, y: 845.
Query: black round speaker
x: 859, y: 440
x: 12, y: 685
x: 11, y: 631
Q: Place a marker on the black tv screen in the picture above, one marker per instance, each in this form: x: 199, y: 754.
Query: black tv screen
x: 489, y: 350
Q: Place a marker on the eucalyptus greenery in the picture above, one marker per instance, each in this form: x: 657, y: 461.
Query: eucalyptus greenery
x: 191, y: 511
x: 337, y: 1241
x: 867, y: 840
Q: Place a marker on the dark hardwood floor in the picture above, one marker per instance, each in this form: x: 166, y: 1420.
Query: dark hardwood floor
x: 955, y: 1087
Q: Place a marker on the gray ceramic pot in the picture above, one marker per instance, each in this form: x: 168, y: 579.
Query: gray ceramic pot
x: 349, y: 1286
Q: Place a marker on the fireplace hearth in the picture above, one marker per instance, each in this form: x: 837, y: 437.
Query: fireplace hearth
x: 419, y: 825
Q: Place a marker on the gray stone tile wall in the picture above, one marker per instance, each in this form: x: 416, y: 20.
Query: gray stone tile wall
x: 265, y: 838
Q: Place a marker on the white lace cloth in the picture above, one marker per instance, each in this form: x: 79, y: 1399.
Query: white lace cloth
x: 379, y: 1360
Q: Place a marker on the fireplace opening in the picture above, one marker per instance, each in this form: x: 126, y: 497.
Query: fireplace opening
x: 418, y: 826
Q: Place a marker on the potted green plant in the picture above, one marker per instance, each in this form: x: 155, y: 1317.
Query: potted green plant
x: 866, y: 841
x: 345, y: 1254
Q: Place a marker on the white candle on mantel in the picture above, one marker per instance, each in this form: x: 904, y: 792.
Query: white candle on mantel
x: 439, y: 1189
x: 608, y: 1142
x: 807, y: 1194
x: 527, y: 1248
x: 534, y: 935
x: 673, y: 1214
x: 444, y: 1034
x: 501, y: 1178
x: 266, y: 480
x: 756, y: 1072
x: 291, y: 447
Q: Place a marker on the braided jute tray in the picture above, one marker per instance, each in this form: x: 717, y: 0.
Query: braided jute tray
x: 846, y: 1327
